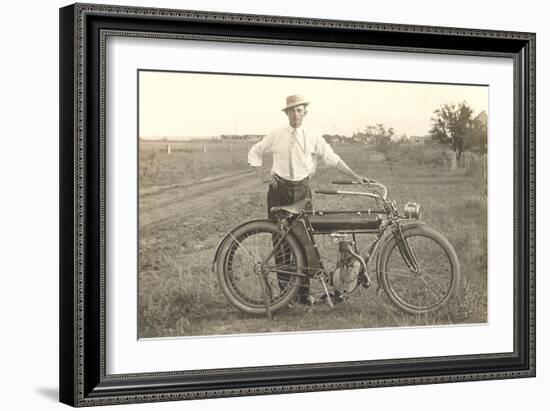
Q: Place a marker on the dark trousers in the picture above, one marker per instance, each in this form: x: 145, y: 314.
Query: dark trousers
x: 287, y: 193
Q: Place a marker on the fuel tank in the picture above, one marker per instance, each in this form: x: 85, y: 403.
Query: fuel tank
x: 329, y: 222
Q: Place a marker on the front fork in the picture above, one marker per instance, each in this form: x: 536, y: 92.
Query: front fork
x: 378, y: 247
x: 406, y: 251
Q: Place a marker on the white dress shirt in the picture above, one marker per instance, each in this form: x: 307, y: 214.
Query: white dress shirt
x: 295, y: 152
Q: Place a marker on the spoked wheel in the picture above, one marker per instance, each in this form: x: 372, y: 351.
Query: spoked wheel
x: 434, y: 279
x: 245, y: 275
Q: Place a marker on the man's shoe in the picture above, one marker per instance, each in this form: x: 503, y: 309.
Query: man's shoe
x: 336, y: 298
x: 304, y: 299
x: 307, y: 300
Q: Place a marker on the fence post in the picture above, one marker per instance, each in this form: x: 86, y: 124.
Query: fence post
x: 204, y: 148
x: 168, y: 149
x: 453, y: 160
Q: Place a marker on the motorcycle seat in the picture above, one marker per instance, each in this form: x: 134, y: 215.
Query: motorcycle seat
x: 295, y: 208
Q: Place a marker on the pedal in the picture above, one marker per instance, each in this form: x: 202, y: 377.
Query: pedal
x: 364, y: 280
x: 329, y: 300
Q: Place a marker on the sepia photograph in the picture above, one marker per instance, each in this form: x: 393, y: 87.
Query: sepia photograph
x: 275, y: 204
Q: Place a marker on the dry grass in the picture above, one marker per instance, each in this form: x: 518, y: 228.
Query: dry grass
x: 179, y: 294
x: 188, y: 162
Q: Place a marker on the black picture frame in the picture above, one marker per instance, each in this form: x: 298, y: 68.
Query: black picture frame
x: 83, y: 381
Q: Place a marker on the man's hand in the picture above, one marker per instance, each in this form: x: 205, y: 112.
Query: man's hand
x: 365, y: 180
x: 269, y: 180
x: 344, y: 168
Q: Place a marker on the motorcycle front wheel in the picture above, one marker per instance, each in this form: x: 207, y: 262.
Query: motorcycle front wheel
x: 435, y: 278
x: 245, y: 275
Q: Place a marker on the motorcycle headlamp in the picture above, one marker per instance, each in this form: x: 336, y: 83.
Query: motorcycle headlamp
x: 412, y: 210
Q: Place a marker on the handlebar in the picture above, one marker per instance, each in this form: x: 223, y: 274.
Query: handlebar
x: 370, y: 184
x: 326, y: 191
x: 344, y: 182
x: 347, y: 182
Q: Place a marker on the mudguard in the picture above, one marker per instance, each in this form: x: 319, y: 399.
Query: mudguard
x: 228, y: 235
x: 405, y: 226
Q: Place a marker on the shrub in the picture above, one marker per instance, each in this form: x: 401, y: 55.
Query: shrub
x: 433, y: 155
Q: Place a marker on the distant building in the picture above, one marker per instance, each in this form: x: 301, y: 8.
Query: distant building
x: 363, y: 138
x: 241, y: 136
x: 335, y: 138
x: 418, y: 139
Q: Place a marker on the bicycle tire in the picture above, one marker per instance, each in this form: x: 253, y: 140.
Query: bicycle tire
x: 248, y: 245
x: 411, y: 291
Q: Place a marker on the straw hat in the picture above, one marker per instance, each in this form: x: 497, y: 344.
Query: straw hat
x: 295, y: 100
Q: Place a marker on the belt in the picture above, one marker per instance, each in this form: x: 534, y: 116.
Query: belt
x: 290, y: 182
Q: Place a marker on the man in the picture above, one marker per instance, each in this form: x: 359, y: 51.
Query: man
x: 295, y: 152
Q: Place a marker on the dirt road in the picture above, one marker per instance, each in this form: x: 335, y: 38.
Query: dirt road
x: 165, y: 203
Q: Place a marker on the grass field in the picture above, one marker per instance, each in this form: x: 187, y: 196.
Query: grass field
x: 189, y: 199
x: 188, y: 161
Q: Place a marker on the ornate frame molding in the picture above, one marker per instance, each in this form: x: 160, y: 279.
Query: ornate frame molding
x: 82, y: 358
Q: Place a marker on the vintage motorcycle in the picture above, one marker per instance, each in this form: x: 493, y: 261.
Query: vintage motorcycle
x: 261, y: 265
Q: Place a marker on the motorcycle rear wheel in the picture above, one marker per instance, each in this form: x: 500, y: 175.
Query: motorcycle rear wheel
x: 239, y: 267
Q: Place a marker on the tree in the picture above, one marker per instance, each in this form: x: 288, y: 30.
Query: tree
x: 452, y: 126
x: 403, y: 138
x: 381, y: 136
x: 383, y: 140
x: 477, y: 137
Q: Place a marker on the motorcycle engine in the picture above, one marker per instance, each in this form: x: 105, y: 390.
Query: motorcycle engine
x: 348, y: 268
x: 344, y: 279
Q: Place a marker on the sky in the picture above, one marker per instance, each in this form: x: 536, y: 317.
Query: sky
x: 185, y: 105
